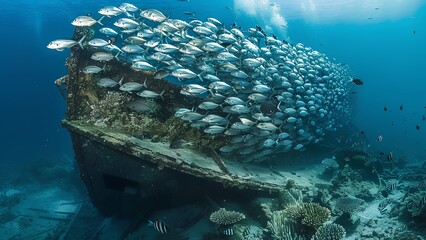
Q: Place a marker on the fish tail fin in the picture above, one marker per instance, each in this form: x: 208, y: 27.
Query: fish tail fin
x: 144, y: 83
x: 121, y: 81
x: 80, y: 43
x: 99, y: 21
x: 200, y: 76
x: 162, y: 95
x: 150, y: 223
x: 116, y: 56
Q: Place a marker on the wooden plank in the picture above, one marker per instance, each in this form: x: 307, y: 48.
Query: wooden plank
x: 183, y: 160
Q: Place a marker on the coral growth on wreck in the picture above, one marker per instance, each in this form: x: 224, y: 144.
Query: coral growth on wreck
x: 329, y: 232
x: 224, y: 217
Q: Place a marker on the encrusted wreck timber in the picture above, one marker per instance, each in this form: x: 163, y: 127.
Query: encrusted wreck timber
x: 159, y: 153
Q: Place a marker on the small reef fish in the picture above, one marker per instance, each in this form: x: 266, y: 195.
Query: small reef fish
x: 389, y: 157
x: 383, y: 210
x: 379, y: 138
x: 401, y: 107
x: 159, y: 226
x: 392, y: 186
x: 228, y: 232
x: 418, y: 126
x: 385, y: 108
x: 383, y: 204
x: 189, y: 13
x: 357, y: 81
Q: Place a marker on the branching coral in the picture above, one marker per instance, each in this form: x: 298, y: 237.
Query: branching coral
x: 348, y: 204
x: 224, y: 217
x: 282, y: 227
x: 329, y: 232
x: 414, y: 206
x: 314, y: 215
x: 289, y: 197
x: 309, y: 214
x: 249, y: 232
x: 295, y: 211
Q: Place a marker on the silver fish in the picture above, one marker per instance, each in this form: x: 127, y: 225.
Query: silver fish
x: 153, y: 15
x: 85, y: 21
x: 106, y: 82
x: 220, y: 86
x: 203, y: 30
x: 128, y: 7
x: 132, y: 49
x: 267, y: 126
x: 191, y: 116
x: 240, y: 109
x: 93, y: 69
x: 102, y: 56
x: 143, y: 66
x: 214, y: 129
x: 110, y: 11
x: 135, y: 40
x: 179, y: 113
x: 184, y: 73
x: 97, y: 42
x: 234, y: 101
x: 166, y: 48
x: 193, y: 89
x: 108, y: 31
x: 150, y: 94
x: 215, y: 119
x: 126, y: 23
x: 132, y: 86
x: 208, y: 105
x: 62, y: 44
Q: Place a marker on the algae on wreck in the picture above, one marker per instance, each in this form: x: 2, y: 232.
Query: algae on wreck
x: 106, y: 107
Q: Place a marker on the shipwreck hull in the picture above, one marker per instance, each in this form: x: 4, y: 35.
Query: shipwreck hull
x: 125, y: 175
x: 125, y: 157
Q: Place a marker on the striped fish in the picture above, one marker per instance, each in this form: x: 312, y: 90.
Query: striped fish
x: 392, y: 186
x: 159, y: 226
x: 383, y: 204
x: 228, y: 232
x: 389, y: 157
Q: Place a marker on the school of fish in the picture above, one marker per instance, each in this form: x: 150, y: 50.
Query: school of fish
x: 267, y: 95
